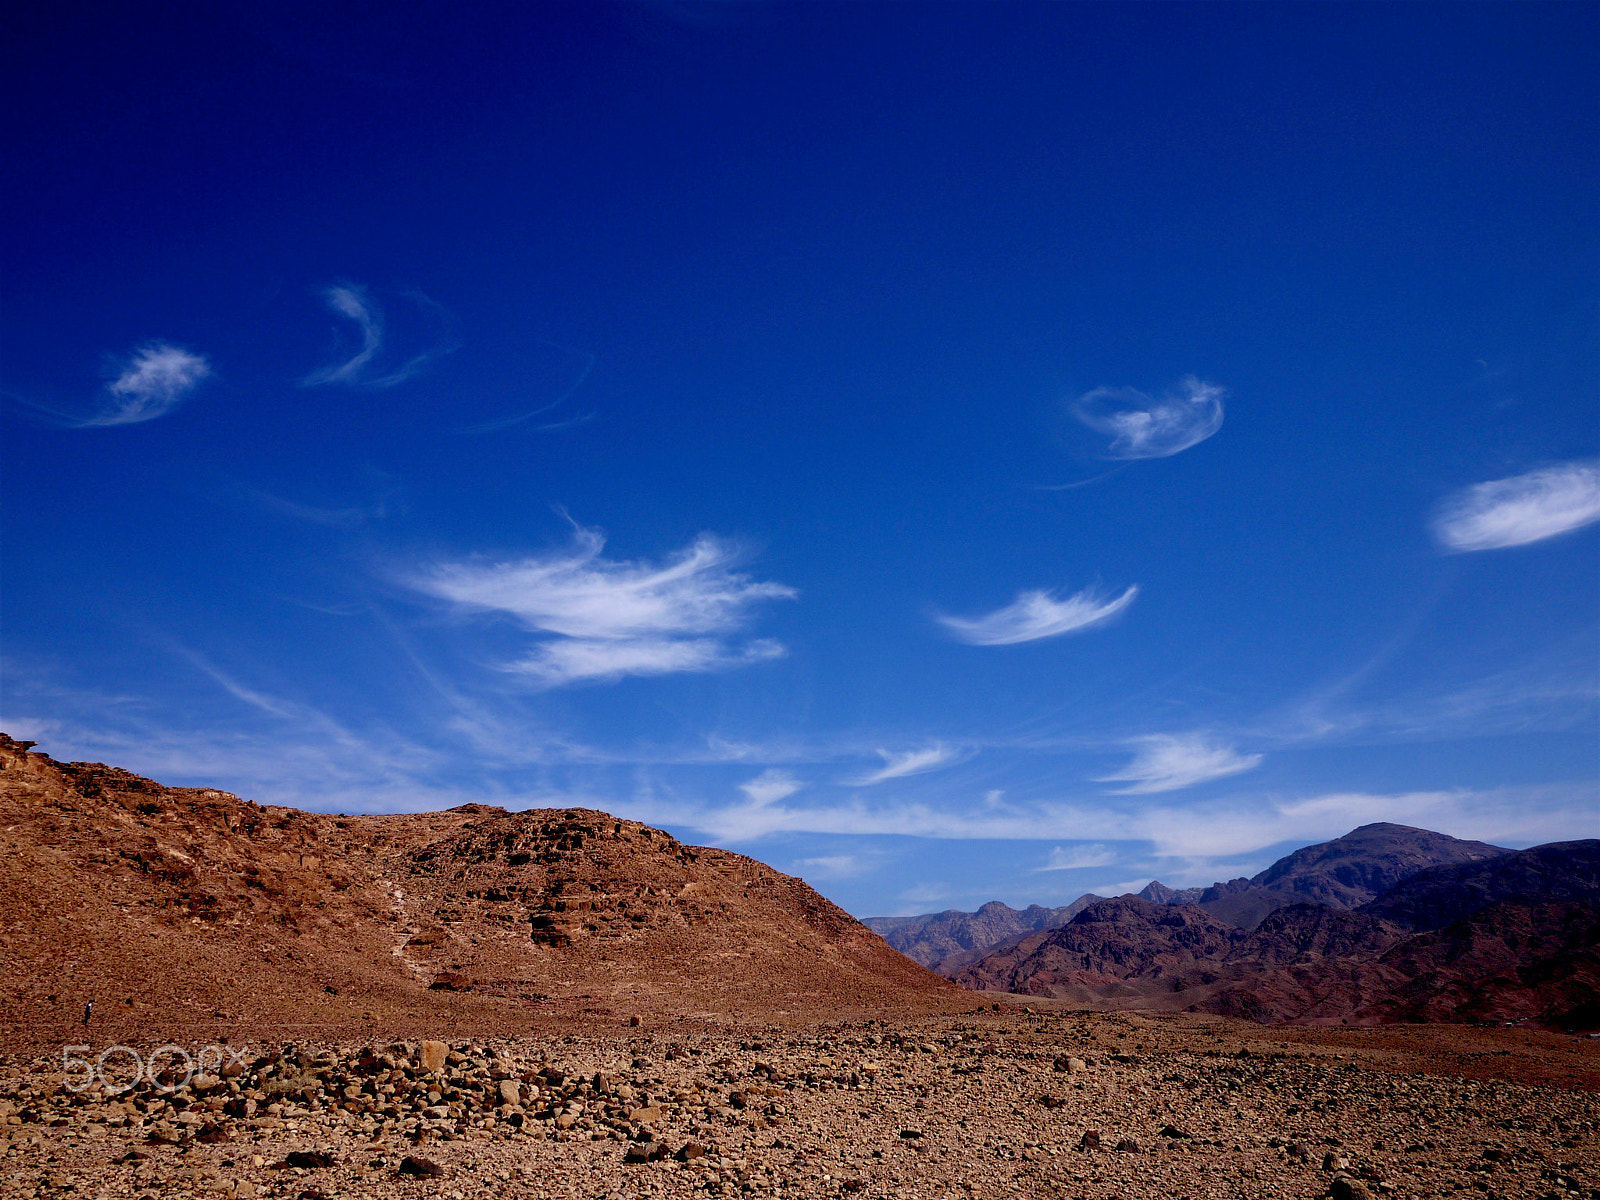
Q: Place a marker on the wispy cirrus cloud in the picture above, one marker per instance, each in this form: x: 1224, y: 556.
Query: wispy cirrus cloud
x: 1077, y: 858
x: 1144, y: 426
x: 150, y: 383
x: 1166, y: 762
x: 832, y: 866
x: 909, y: 762
x: 364, y: 366
x: 1232, y: 828
x: 601, y: 620
x: 1038, y: 614
x: 770, y: 786
x: 1520, y: 509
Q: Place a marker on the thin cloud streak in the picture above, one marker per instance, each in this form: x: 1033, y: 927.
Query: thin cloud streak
x: 150, y: 384
x: 831, y: 866
x: 352, y: 302
x: 1038, y: 614
x: 1167, y: 762
x: 603, y: 620
x: 1226, y: 829
x: 522, y: 418
x: 1521, y: 509
x: 1143, y: 426
x: 769, y: 787
x: 912, y: 762
x: 1078, y: 858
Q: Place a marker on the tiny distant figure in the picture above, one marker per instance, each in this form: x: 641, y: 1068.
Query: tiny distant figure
x: 88, y: 1010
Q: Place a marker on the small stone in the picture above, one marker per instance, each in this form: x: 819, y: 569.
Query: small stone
x: 432, y: 1056
x: 310, y: 1159
x: 1345, y: 1188
x: 1335, y: 1162
x: 642, y: 1152
x: 690, y: 1152
x: 1128, y: 1145
x: 412, y: 1165
x: 1090, y: 1140
x: 510, y: 1092
x: 645, y: 1116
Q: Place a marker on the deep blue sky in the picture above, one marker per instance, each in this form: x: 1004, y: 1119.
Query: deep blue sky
x: 947, y: 451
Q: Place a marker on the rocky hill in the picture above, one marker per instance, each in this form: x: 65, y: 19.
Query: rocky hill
x: 955, y: 937
x: 190, y: 908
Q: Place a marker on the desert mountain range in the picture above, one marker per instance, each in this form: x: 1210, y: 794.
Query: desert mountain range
x: 1387, y: 923
x: 191, y: 911
x: 1344, y: 873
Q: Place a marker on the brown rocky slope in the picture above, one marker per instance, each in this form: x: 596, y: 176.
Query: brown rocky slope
x: 190, y: 910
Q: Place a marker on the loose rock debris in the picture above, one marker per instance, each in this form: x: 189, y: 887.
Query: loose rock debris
x: 941, y: 1108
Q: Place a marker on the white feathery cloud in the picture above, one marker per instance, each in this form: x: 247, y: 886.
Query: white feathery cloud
x: 353, y: 302
x: 1144, y: 426
x: 770, y: 786
x: 832, y: 866
x: 1167, y: 762
x: 151, y: 384
x: 1038, y: 614
x: 1520, y: 509
x: 911, y: 762
x: 605, y: 619
x: 1079, y: 857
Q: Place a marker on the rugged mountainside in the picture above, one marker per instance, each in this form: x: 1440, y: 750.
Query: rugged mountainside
x: 185, y: 907
x: 1511, y: 938
x: 956, y: 936
x: 1159, y: 893
x: 1351, y: 870
x: 1443, y: 895
x: 1243, y: 903
x: 1346, y: 872
x: 1125, y: 938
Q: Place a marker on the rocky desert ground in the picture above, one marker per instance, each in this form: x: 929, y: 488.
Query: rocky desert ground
x: 1056, y: 1103
x: 562, y: 1004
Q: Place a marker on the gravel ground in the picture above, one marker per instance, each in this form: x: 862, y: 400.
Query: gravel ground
x: 1009, y: 1103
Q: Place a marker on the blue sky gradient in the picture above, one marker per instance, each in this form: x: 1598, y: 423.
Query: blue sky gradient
x: 950, y: 452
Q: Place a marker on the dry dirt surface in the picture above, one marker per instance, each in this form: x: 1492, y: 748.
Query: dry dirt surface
x: 1013, y: 1103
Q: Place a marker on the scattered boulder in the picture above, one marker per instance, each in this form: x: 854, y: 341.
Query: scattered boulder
x: 432, y: 1056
